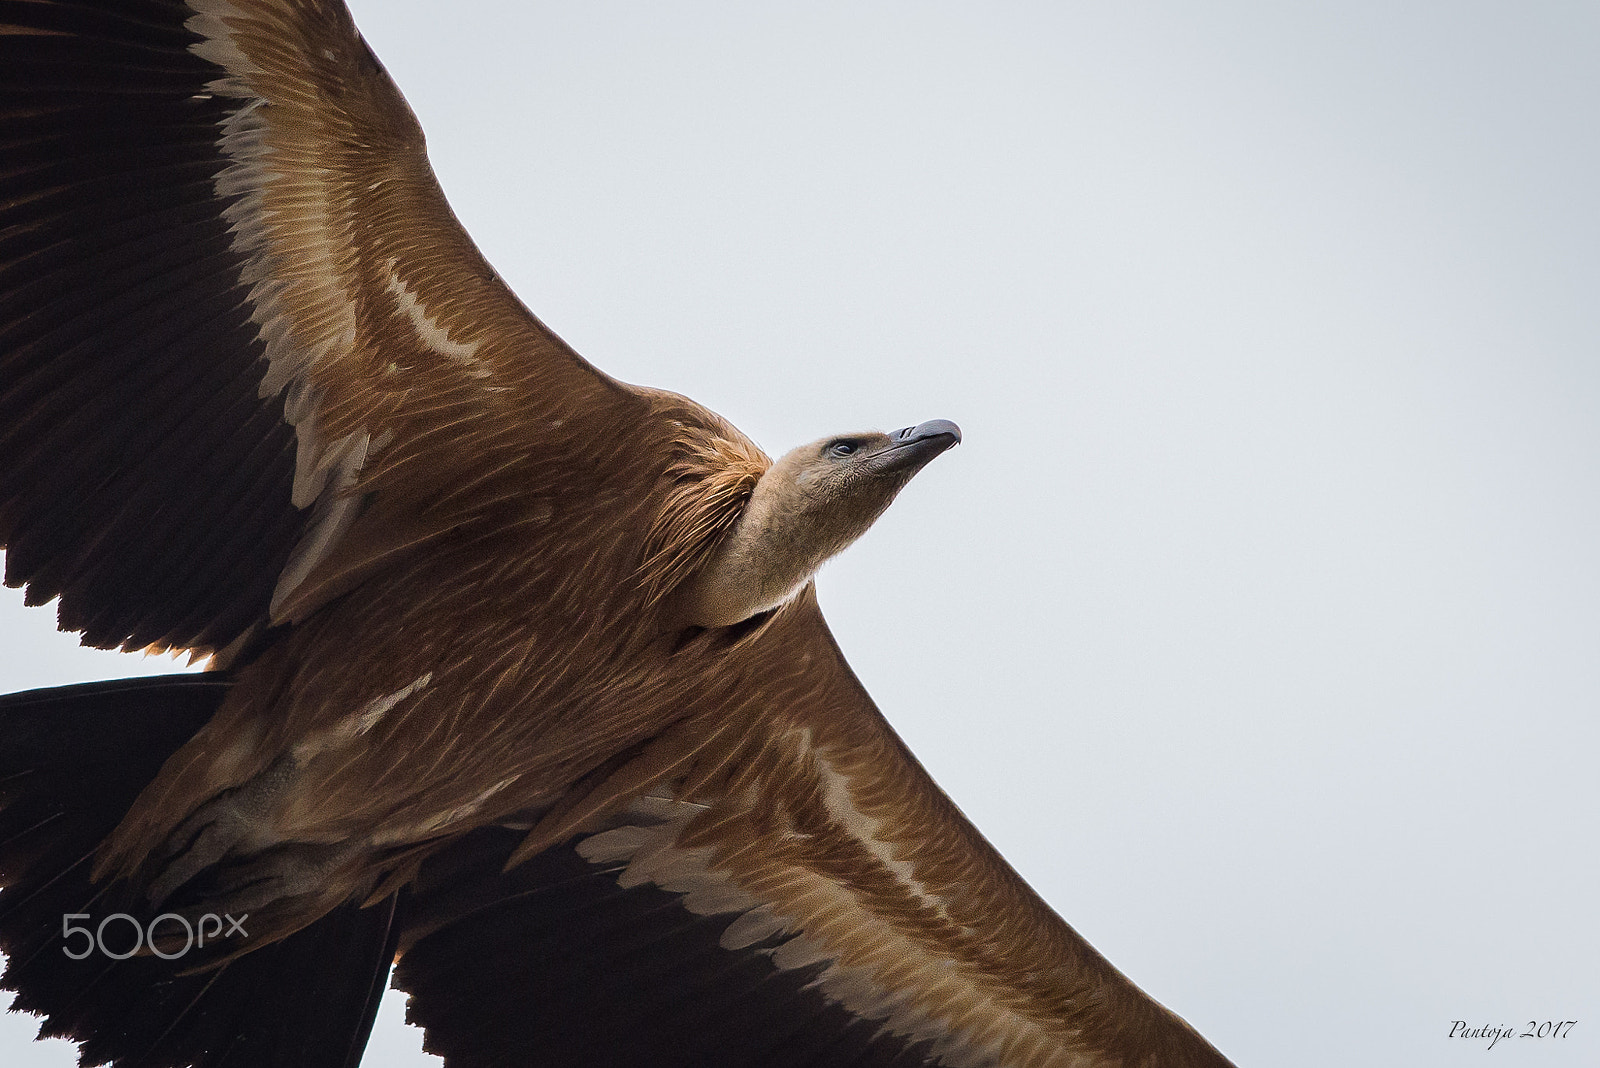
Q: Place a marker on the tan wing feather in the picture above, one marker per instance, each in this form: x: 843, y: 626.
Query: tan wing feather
x: 383, y: 322
x: 795, y: 823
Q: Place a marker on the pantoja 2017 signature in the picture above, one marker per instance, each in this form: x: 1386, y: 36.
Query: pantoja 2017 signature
x: 1535, y: 1029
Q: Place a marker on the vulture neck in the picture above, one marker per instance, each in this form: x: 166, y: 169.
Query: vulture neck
x: 781, y: 537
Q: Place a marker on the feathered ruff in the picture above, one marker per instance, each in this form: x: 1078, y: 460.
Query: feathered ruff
x: 713, y: 473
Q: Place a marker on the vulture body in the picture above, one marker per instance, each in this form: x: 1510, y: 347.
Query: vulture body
x: 518, y: 674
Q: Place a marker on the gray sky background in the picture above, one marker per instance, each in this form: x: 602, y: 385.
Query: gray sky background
x: 1257, y: 621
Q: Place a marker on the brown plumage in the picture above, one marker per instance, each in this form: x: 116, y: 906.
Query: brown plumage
x: 509, y: 646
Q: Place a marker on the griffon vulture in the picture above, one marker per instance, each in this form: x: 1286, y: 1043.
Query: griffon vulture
x: 518, y: 676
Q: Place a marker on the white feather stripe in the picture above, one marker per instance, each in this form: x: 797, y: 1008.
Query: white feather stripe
x: 871, y: 968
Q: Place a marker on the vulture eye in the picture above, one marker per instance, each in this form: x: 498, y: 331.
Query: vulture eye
x: 842, y: 448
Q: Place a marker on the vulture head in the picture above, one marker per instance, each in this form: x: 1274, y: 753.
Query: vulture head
x: 805, y: 508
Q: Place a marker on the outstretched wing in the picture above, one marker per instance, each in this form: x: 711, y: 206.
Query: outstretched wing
x: 242, y: 337
x: 796, y: 891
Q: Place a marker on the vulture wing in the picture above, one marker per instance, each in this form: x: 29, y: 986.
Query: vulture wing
x: 795, y: 890
x: 241, y: 333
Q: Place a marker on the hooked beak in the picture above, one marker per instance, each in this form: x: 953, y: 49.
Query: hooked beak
x: 911, y: 448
